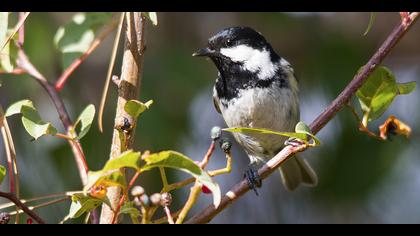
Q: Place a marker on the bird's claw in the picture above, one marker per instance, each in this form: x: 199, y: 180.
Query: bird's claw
x: 294, y: 142
x: 253, y: 178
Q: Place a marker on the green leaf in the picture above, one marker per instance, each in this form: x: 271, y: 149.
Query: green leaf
x: 371, y: 20
x: 82, y: 204
x: 406, y: 88
x: 31, y: 120
x: 126, y: 159
x: 16, y: 107
x: 304, y: 129
x: 85, y: 119
x: 377, y: 93
x: 152, y: 17
x: 176, y: 160
x: 8, y: 54
x: 111, y: 174
x: 4, y: 24
x: 2, y: 173
x: 107, y: 178
x: 134, y: 108
x: 74, y: 38
x: 245, y: 130
x: 130, y: 209
x: 34, y: 125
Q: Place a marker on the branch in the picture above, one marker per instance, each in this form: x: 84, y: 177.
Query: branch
x: 78, y: 61
x: 241, y: 188
x: 129, y: 88
x: 22, y: 206
x: 24, y: 63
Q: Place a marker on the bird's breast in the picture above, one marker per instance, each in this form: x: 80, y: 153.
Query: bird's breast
x: 271, y: 108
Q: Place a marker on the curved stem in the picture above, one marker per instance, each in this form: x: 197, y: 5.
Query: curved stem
x: 12, y: 197
x: 24, y: 63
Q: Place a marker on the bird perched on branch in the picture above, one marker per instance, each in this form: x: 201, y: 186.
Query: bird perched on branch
x: 257, y: 88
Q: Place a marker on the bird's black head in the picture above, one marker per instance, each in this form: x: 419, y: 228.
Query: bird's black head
x: 239, y: 47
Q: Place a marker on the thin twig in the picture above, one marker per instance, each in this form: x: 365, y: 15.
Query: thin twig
x: 24, y: 63
x: 109, y: 73
x: 11, y: 157
x: 78, y: 61
x: 168, y: 215
x: 241, y: 188
x: 12, y: 197
x: 192, y: 199
x: 44, y: 204
x: 15, y: 30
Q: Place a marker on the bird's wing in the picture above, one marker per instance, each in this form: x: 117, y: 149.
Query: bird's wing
x: 216, y: 100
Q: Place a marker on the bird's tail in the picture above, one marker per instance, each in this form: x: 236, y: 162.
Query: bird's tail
x: 295, y: 171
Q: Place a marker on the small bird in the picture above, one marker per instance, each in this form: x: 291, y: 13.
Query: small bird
x: 257, y: 88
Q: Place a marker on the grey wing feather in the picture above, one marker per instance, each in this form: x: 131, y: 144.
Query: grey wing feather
x: 216, y: 102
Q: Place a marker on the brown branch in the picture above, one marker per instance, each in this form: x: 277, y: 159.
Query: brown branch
x: 22, y: 206
x: 241, y: 188
x: 78, y: 61
x: 24, y: 63
x: 129, y: 88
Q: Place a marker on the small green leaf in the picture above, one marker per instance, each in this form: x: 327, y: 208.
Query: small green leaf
x: 304, y: 129
x: 126, y: 159
x: 16, y: 107
x: 110, y: 174
x: 8, y: 52
x: 4, y: 24
x: 130, y: 209
x: 2, y: 173
x: 176, y: 160
x: 371, y: 20
x: 377, y: 93
x: 34, y: 125
x: 74, y: 38
x: 245, y: 130
x: 406, y: 88
x: 9, y: 55
x: 134, y: 108
x: 152, y: 17
x: 107, y: 178
x: 85, y: 119
x: 31, y: 120
x: 82, y: 204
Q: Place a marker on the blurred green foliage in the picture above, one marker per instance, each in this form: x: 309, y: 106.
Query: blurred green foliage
x: 326, y: 50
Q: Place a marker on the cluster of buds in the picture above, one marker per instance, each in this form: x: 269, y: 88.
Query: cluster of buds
x: 140, y: 198
x: 164, y: 199
x: 4, y: 218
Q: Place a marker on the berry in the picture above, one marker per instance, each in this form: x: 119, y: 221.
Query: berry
x: 205, y: 189
x: 155, y: 199
x: 4, y: 218
x: 166, y: 199
x: 225, y: 145
x: 215, y: 133
x: 137, y: 191
x: 29, y: 221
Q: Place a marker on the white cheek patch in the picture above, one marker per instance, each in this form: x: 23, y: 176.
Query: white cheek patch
x: 253, y: 60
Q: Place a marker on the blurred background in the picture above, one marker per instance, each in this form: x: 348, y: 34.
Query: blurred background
x: 361, y: 180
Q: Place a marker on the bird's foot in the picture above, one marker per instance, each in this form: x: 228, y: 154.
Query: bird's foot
x: 253, y: 178
x: 294, y: 142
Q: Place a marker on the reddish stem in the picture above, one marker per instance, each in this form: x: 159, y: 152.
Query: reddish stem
x: 122, y: 199
x: 76, y: 63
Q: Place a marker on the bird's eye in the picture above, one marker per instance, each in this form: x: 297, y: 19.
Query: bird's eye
x: 229, y: 43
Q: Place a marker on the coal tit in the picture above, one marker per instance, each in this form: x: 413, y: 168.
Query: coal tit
x: 257, y: 88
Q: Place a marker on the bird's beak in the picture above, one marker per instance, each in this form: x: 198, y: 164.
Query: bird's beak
x: 203, y: 52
